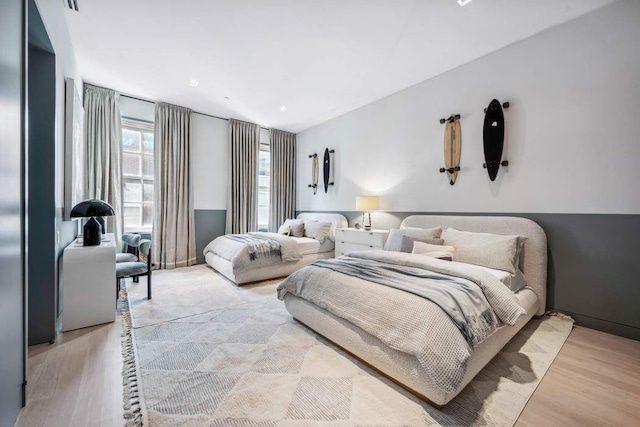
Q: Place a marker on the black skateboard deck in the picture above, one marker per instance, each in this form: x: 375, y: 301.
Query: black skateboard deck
x: 327, y: 169
x: 493, y: 137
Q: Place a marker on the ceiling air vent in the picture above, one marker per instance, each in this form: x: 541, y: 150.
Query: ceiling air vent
x: 71, y: 4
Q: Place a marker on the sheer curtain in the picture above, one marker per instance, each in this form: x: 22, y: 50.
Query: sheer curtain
x: 242, y: 196
x: 103, y: 139
x: 173, y: 236
x: 282, y: 199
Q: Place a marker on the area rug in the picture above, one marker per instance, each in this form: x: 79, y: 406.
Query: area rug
x: 205, y: 352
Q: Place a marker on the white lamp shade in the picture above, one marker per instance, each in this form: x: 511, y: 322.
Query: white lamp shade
x: 367, y: 203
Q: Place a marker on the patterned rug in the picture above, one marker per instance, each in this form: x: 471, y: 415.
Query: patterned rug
x: 209, y: 353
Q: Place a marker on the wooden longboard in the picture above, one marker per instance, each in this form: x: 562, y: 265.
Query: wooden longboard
x: 314, y: 173
x: 493, y: 138
x: 452, y: 148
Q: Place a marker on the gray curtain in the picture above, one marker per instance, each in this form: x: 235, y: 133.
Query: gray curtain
x: 282, y: 198
x: 242, y: 196
x: 103, y: 139
x: 174, y: 243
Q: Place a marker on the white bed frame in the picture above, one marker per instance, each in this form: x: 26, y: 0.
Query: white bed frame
x: 225, y: 267
x: 404, y: 369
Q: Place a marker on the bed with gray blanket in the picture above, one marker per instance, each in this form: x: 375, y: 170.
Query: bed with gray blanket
x: 255, y: 256
x: 428, y: 324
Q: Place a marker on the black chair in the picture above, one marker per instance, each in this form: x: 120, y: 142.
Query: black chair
x: 140, y: 267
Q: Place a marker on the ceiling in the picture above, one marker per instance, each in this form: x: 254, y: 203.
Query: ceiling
x: 319, y: 58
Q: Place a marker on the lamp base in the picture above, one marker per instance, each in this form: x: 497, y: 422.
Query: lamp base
x: 366, y: 225
x: 92, y: 234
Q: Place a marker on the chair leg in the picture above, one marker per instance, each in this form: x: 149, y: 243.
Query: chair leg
x: 117, y: 288
x: 149, y: 285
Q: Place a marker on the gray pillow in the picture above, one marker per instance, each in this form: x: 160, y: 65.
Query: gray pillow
x: 484, y: 249
x: 296, y: 227
x: 406, y: 244
x: 317, y: 230
x: 394, y: 241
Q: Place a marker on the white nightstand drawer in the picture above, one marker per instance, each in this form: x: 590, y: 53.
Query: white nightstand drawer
x: 368, y: 238
x: 348, y: 247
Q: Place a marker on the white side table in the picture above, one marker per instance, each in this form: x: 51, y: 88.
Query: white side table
x: 88, y: 284
x: 350, y: 239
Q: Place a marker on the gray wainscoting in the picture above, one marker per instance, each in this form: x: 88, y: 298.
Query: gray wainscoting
x: 209, y: 225
x: 593, y: 274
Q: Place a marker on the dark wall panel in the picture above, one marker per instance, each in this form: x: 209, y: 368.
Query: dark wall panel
x: 12, y: 327
x: 593, y: 273
x: 42, y: 264
x: 209, y: 225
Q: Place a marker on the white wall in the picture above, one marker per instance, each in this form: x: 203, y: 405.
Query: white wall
x: 137, y: 109
x: 209, y: 137
x: 572, y: 132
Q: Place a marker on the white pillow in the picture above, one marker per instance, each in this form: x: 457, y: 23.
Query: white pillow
x: 489, y: 250
x: 317, y: 230
x: 515, y: 282
x: 434, y: 251
x: 296, y: 228
x: 284, y: 229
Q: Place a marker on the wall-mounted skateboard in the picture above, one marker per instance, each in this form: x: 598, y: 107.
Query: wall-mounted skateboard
x: 314, y: 172
x: 452, y: 147
x: 493, y: 138
x: 327, y: 172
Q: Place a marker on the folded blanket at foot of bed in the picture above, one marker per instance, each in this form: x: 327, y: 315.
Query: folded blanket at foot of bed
x: 254, y: 250
x: 435, y: 310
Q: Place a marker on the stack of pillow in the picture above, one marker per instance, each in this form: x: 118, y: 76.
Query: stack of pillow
x: 318, y: 230
x: 497, y: 254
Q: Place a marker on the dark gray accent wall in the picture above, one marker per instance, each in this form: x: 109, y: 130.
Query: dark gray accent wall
x: 12, y: 208
x: 593, y: 273
x: 209, y: 225
x: 41, y: 244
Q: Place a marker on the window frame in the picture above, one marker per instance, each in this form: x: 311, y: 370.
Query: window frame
x: 265, y: 146
x: 142, y: 127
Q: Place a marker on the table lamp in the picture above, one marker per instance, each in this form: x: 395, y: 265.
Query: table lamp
x: 92, y: 231
x: 366, y: 204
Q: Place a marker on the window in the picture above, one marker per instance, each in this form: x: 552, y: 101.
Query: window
x: 137, y: 175
x: 264, y: 173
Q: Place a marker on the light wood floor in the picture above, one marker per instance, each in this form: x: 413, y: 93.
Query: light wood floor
x: 595, y: 380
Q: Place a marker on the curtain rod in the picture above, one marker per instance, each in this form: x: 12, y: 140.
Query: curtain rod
x: 196, y: 112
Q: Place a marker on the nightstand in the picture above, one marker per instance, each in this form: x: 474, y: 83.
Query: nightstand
x: 350, y: 239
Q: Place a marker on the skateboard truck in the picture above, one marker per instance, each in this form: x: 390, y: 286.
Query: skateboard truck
x: 502, y: 163
x: 313, y: 155
x: 450, y: 119
x: 450, y: 170
x: 504, y: 105
x: 313, y: 185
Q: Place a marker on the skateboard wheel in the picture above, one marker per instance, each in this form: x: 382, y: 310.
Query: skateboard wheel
x: 442, y: 121
x: 331, y: 183
x: 451, y: 182
x: 442, y: 170
x: 457, y: 168
x: 505, y: 163
x: 505, y: 105
x: 484, y: 165
x: 457, y: 116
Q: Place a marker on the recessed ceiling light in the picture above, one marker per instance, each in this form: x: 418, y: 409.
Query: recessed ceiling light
x: 283, y: 108
x: 464, y: 2
x: 193, y: 83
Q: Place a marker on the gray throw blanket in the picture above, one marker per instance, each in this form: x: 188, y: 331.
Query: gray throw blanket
x: 258, y: 246
x: 461, y: 299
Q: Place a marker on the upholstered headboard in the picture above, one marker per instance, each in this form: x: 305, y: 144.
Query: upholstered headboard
x: 338, y: 220
x: 533, y: 261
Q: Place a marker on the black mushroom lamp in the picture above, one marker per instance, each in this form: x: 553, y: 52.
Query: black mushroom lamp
x: 92, y: 234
